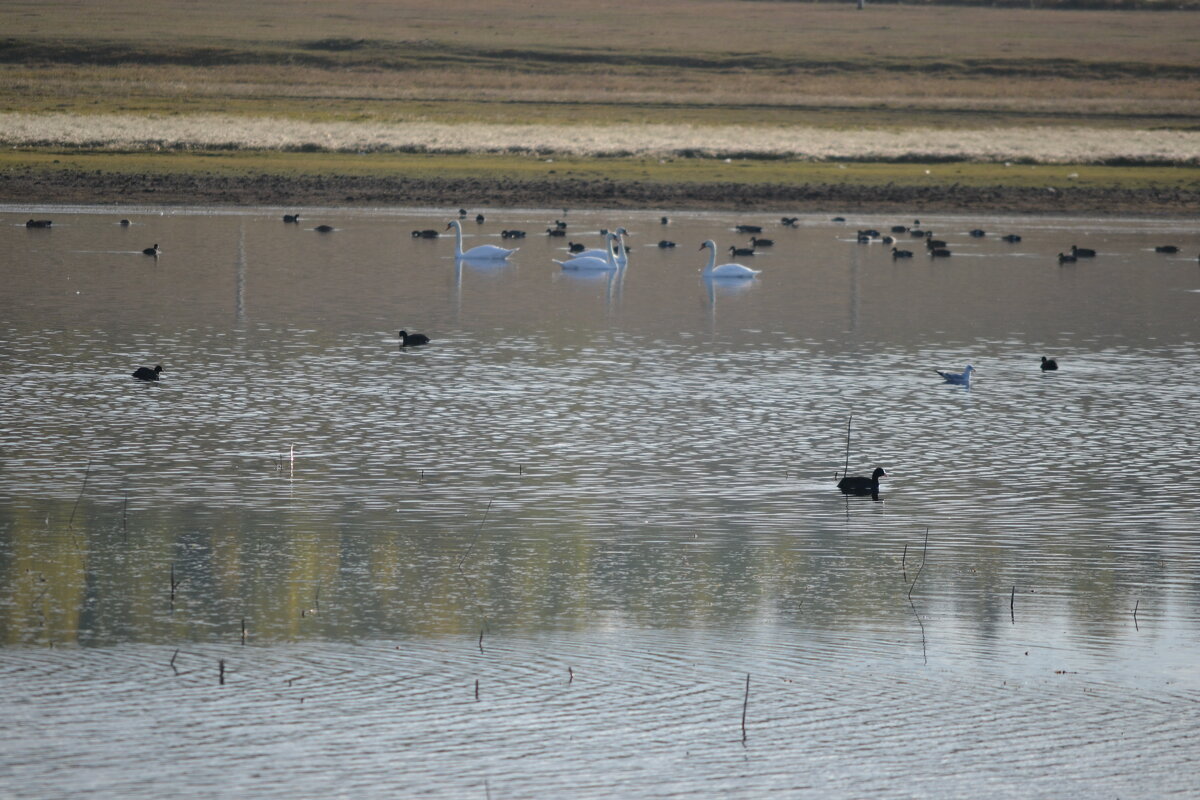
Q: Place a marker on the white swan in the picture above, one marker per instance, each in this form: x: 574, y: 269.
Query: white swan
x: 593, y: 262
x: 484, y: 252
x: 622, y: 253
x: 724, y: 270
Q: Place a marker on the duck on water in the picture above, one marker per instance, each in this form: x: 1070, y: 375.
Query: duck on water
x: 861, y: 485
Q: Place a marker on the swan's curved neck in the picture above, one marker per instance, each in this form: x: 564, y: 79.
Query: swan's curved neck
x: 712, y: 257
x: 612, y: 259
x: 458, y: 251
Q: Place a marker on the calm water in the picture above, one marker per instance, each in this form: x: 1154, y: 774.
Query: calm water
x: 539, y: 557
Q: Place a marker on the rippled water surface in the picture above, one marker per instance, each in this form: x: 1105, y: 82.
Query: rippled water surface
x: 540, y: 556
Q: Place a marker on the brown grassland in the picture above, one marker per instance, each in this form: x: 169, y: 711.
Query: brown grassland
x: 586, y: 70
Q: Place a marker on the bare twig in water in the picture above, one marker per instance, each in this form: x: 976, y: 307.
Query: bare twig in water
x: 904, y: 562
x: 173, y: 657
x: 478, y: 531
x: 1135, y: 609
x: 846, y: 468
x: 243, y: 630
x: 86, y: 473
x: 745, y: 705
x: 477, y: 688
x: 481, y: 639
x: 221, y: 671
x: 1012, y: 602
x: 924, y: 654
x: 570, y: 676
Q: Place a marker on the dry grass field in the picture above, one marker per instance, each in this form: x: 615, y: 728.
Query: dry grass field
x: 659, y: 78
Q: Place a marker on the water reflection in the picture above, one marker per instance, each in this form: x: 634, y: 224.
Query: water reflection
x: 628, y: 471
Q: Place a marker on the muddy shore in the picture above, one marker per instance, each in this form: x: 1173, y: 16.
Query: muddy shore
x: 42, y: 187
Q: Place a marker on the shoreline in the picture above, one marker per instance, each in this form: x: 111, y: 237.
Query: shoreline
x: 63, y: 186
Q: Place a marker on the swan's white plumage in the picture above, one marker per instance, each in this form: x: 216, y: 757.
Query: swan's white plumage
x: 622, y: 253
x: 724, y: 270
x: 484, y: 252
x: 593, y: 262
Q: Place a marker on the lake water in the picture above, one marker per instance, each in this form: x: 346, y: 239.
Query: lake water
x: 540, y: 556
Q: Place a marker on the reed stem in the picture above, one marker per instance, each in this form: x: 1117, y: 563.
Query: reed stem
x: 745, y: 705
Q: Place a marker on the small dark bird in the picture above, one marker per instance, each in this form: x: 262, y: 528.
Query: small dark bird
x: 887, y: 240
x: 666, y: 243
x: 754, y: 240
x: 412, y: 339
x: 789, y: 221
x: 741, y: 251
x: 147, y: 374
x: 932, y: 243
x: 899, y: 229
x: 665, y: 220
x: 939, y: 252
x: 124, y: 223
x: 917, y: 233
x: 1166, y: 248
x: 152, y: 251
x: 1048, y: 364
x: 978, y: 233
x: 576, y: 247
x: 462, y: 212
x: 512, y: 234
x: 323, y: 228
x: 748, y: 228
x: 427, y: 233
x: 558, y: 223
x: 896, y: 253
x: 555, y: 232
x: 291, y: 218
x: 38, y: 223
x: 838, y: 219
x: 1063, y: 258
x: 1011, y: 238
x: 1082, y: 252
x: 861, y: 485
x: 479, y: 218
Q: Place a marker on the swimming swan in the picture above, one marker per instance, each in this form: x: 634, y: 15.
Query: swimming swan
x: 484, y: 252
x: 595, y: 262
x: 724, y: 270
x: 622, y: 253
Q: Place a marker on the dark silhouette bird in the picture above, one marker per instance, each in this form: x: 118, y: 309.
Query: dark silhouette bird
x: 1048, y: 364
x: 1063, y: 258
x: 291, y: 218
x: 124, y: 223
x: 323, y: 228
x: 1011, y: 238
x: 427, y: 233
x: 38, y: 223
x: 665, y: 221
x: 412, y: 339
x: 978, y: 233
x: 861, y: 485
x: 789, y: 221
x: 748, y: 228
x: 666, y: 243
x: 152, y: 251
x: 1166, y: 248
x: 560, y: 224
x: 897, y: 253
x: 899, y: 229
x: 741, y: 251
x: 479, y: 218
x: 754, y: 240
x: 838, y: 219
x: 576, y: 247
x: 512, y: 234
x: 1082, y: 252
x: 462, y: 212
x: 555, y: 232
x: 939, y: 252
x: 147, y: 374
x: 932, y: 243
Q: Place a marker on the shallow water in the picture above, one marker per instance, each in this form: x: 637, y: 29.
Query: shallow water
x: 606, y: 498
